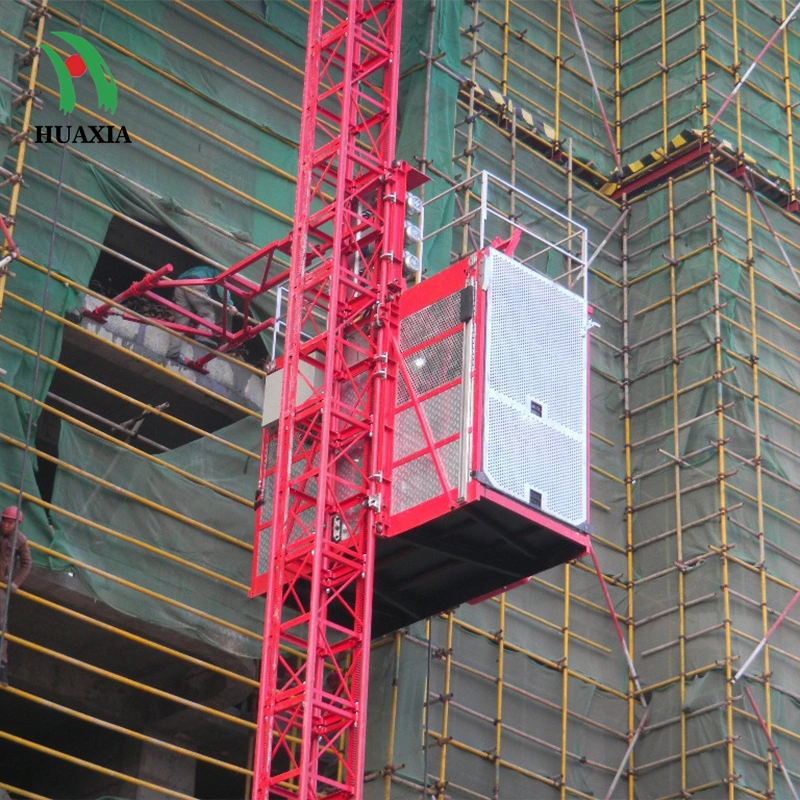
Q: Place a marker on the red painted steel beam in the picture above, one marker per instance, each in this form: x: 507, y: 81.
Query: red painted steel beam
x: 670, y: 167
x: 232, y: 285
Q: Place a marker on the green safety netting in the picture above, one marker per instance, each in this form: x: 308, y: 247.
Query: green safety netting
x: 699, y: 396
x: 212, y: 548
x: 155, y: 77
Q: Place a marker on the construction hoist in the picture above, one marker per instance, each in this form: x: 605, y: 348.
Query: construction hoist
x: 385, y: 382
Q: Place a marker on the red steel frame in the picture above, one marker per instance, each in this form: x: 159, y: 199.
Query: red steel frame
x: 232, y: 286
x: 331, y: 465
x: 445, y: 283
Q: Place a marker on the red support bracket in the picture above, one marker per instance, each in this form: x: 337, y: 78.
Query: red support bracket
x: 233, y: 286
x: 100, y: 314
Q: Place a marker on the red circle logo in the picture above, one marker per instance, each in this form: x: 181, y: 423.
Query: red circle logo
x: 76, y: 65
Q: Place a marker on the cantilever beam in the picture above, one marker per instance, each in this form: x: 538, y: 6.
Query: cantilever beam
x: 232, y: 285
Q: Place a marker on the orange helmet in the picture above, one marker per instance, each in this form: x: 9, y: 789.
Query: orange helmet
x: 12, y: 512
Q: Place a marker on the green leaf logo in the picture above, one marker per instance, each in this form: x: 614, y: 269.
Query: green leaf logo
x: 86, y: 58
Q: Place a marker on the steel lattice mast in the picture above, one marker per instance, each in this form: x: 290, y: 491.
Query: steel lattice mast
x: 326, y: 466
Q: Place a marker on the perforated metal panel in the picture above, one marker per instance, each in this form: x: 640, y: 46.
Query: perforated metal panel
x: 434, y: 370
x: 306, y: 516
x: 535, y: 394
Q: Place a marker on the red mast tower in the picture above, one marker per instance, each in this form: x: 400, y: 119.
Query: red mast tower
x: 325, y: 467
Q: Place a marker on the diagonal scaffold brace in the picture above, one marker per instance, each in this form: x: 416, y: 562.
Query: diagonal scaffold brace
x: 771, y: 744
x: 771, y: 229
x: 631, y: 669
x: 760, y: 646
x: 743, y: 80
x: 635, y: 738
x: 595, y: 88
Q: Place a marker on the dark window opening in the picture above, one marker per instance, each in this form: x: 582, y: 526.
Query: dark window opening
x: 85, y: 356
x: 113, y: 275
x: 214, y: 783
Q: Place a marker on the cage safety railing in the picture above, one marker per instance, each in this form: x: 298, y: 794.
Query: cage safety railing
x: 537, y: 233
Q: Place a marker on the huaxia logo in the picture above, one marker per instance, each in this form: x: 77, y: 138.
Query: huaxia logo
x: 85, y: 59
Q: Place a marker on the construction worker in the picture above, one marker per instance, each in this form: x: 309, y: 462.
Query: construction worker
x: 199, y: 300
x: 15, y: 558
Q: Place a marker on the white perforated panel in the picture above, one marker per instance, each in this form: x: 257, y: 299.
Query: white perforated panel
x: 535, y: 403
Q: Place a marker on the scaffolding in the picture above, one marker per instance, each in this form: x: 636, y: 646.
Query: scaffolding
x: 140, y: 513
